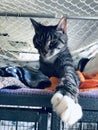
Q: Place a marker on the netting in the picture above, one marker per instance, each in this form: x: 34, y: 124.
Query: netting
x: 51, y: 7
x: 13, y: 125
x: 16, y: 33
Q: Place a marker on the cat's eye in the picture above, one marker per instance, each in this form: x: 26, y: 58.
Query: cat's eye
x: 53, y: 44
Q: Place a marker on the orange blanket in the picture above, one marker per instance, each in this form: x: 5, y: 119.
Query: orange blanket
x: 87, y: 82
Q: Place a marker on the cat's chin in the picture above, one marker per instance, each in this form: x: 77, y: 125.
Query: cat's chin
x: 50, y: 59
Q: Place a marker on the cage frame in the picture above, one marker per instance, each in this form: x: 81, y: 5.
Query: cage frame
x: 33, y: 105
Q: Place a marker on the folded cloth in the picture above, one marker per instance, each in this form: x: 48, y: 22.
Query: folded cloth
x: 31, y: 77
x: 54, y: 83
x: 11, y: 83
x: 87, y: 82
x: 17, y: 77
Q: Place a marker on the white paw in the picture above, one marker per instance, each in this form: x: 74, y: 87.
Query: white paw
x: 69, y: 111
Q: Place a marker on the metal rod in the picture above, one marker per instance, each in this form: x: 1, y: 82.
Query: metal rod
x: 47, y: 16
x: 16, y: 125
x: 82, y: 17
x: 26, y: 15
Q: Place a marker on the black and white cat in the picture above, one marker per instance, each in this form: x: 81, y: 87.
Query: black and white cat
x: 56, y: 60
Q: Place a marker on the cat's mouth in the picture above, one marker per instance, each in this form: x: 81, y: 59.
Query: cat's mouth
x: 51, y: 58
x: 51, y: 55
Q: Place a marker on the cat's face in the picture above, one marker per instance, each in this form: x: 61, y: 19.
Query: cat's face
x: 50, y: 40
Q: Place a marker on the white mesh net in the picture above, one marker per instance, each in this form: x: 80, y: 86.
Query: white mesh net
x: 16, y: 33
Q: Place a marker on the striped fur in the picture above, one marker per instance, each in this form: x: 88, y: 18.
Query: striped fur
x: 56, y: 60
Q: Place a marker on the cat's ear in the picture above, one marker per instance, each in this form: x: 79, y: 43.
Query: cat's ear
x: 62, y: 25
x: 35, y: 24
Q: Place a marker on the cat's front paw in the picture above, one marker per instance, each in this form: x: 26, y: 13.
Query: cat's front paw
x: 69, y: 111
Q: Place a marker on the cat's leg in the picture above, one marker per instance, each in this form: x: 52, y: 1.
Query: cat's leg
x: 64, y: 101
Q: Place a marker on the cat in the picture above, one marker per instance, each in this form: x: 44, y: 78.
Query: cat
x: 56, y: 60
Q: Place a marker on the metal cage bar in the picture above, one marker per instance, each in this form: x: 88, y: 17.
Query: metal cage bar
x: 9, y: 14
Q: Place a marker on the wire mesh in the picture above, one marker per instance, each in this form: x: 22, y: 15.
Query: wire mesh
x: 70, y: 7
x: 17, y: 43
x: 13, y: 125
x: 16, y: 33
x: 16, y: 38
x: 80, y: 126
